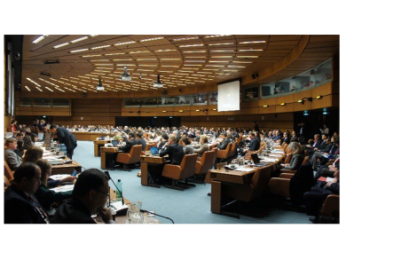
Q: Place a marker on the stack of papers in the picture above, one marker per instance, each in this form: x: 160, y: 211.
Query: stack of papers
x: 64, y: 188
x: 59, y: 176
x: 265, y: 159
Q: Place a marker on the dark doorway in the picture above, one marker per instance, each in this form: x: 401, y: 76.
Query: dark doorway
x: 148, y: 121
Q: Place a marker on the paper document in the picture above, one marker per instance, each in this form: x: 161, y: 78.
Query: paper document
x: 59, y: 176
x: 64, y: 188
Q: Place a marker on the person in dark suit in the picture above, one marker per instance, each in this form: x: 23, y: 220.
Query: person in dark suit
x: 255, y: 142
x: 65, y: 137
x: 316, y: 196
x: 174, y: 151
x: 224, y: 143
x: 128, y: 144
x: 286, y: 138
x: 255, y: 126
x: 20, y: 205
x: 89, y: 197
x: 140, y: 141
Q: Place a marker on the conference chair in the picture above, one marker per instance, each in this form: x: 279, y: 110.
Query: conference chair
x: 203, y: 165
x: 288, y: 158
x: 130, y: 158
x: 330, y: 209
x: 248, y: 192
x: 224, y: 154
x: 184, y: 171
x: 232, y: 152
x: 286, y: 175
x: 279, y: 186
x: 7, y: 171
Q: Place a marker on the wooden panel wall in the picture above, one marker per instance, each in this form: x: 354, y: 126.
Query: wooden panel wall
x: 267, y: 122
x: 92, y: 112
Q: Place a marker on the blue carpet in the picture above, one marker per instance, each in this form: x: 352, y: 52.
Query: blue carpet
x: 191, y: 206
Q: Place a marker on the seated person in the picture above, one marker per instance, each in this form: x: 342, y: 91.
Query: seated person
x: 325, y: 154
x: 255, y: 143
x: 186, y: 145
x: 224, y: 143
x: 20, y: 204
x: 34, y: 137
x: 12, y: 159
x: 27, y: 142
x: 203, y: 146
x: 315, y: 198
x: 20, y: 148
x: 140, y: 141
x: 297, y: 157
x: 47, y: 197
x: 126, y: 147
x: 33, y: 154
x: 328, y: 170
x: 89, y: 197
x: 164, y: 140
x: 174, y: 151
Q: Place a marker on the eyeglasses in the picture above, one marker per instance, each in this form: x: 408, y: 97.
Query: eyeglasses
x: 107, y: 194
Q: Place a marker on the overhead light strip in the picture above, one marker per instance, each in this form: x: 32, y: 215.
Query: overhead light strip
x: 79, y: 39
x: 39, y: 39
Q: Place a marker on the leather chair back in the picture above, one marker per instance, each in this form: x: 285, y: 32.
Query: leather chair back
x: 279, y: 186
x: 233, y: 151
x: 331, y: 205
x: 260, y: 181
x: 206, y: 162
x: 306, y: 160
x: 133, y: 157
x: 188, y: 166
x: 288, y: 158
x: 224, y: 154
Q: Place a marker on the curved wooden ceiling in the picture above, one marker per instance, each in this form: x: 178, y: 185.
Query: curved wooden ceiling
x: 180, y: 60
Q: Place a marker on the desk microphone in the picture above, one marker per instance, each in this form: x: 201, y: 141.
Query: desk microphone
x: 149, y: 212
x: 109, y: 177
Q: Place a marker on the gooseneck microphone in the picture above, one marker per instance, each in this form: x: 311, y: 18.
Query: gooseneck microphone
x: 149, y: 212
x: 109, y: 177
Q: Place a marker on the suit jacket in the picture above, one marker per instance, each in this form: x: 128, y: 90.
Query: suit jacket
x: 203, y: 148
x: 12, y: 159
x: 327, y: 148
x: 65, y: 136
x: 73, y: 211
x: 223, y: 144
x: 175, y: 153
x: 295, y: 162
x: 128, y: 146
x: 141, y: 142
x: 19, y: 209
x: 47, y: 197
x: 317, y: 144
x: 286, y: 140
x: 255, y: 144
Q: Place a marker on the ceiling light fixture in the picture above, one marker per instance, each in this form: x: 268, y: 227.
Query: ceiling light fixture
x: 61, y: 45
x: 158, y: 83
x: 80, y: 50
x: 125, y: 76
x: 152, y: 39
x: 39, y: 39
x: 125, y: 43
x: 100, y: 86
x: 79, y: 39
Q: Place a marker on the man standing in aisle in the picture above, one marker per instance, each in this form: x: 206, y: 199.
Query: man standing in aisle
x: 65, y: 137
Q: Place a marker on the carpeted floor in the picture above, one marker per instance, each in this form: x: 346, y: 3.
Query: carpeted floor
x: 191, y: 206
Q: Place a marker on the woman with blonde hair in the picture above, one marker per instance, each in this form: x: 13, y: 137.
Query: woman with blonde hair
x: 297, y: 158
x: 33, y: 154
x: 203, y: 146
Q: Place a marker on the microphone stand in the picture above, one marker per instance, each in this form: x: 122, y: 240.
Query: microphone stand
x: 149, y: 212
x: 109, y: 177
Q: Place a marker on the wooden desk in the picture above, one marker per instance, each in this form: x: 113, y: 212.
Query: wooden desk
x: 98, y: 144
x: 149, y: 160
x: 107, y: 152
x: 66, y: 168
x: 90, y: 136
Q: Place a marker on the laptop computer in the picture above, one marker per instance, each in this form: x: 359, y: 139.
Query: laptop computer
x: 154, y: 151
x: 40, y: 136
x: 114, y: 143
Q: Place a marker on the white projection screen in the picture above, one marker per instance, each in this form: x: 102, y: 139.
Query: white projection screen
x: 229, y: 96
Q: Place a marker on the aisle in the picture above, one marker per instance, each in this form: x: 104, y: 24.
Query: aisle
x: 191, y: 206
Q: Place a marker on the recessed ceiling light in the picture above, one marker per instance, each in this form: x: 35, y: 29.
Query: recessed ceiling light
x: 251, y: 50
x: 236, y: 66
x: 49, y: 89
x: 100, y: 47
x: 236, y: 61
x: 39, y: 89
x: 152, y: 39
x: 27, y: 88
x: 198, y: 51
x: 221, y: 51
x: 139, y: 52
x: 39, y: 39
x: 216, y: 61
x: 213, y: 36
x: 79, y: 39
x: 166, y: 50
x: 170, y: 59
x: 220, y: 44
x: 114, y: 53
x: 252, y: 42
x: 91, y: 55
x: 186, y: 38
x: 174, y: 66
x: 104, y: 64
x: 80, y: 50
x: 247, y: 56
x: 195, y: 61
x: 125, y: 43
x: 146, y: 58
x: 194, y: 45
x: 61, y: 45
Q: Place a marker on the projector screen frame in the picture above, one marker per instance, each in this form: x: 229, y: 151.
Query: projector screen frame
x: 227, y: 103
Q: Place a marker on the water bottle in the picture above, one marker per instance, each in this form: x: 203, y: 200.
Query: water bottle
x: 119, y: 191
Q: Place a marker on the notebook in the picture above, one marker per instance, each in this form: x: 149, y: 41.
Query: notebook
x: 154, y: 151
